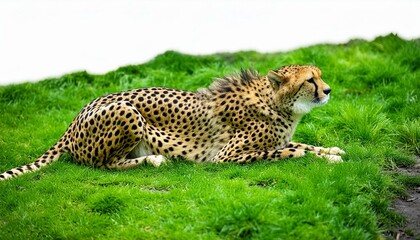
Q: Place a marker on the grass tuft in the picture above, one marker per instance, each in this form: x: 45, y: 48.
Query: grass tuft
x: 408, y: 135
x: 364, y: 123
x: 107, y: 204
x: 241, y: 221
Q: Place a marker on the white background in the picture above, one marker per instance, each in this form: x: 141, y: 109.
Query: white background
x: 46, y: 38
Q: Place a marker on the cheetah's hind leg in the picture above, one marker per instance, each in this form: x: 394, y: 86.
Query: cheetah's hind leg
x: 155, y: 160
x: 112, y: 138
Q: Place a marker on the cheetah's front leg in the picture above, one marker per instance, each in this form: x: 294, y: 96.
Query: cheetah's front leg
x: 252, y: 156
x: 331, y: 154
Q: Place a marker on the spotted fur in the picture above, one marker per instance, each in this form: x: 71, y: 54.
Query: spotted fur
x: 240, y: 118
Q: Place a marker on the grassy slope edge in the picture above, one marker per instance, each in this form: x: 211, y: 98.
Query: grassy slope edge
x: 373, y: 114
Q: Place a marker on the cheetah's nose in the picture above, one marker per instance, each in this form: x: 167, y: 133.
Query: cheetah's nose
x: 327, y: 91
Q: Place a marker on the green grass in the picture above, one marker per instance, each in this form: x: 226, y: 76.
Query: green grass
x: 373, y: 115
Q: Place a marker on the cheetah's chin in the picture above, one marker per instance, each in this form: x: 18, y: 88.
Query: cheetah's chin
x: 321, y: 102
x: 303, y: 107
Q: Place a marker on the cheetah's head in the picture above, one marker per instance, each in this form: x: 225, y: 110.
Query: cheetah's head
x: 299, y: 88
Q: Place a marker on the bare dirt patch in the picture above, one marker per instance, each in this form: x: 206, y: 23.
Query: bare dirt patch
x: 410, y: 207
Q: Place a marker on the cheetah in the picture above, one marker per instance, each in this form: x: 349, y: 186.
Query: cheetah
x: 240, y: 118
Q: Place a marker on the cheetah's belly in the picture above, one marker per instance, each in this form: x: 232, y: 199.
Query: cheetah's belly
x: 142, y: 149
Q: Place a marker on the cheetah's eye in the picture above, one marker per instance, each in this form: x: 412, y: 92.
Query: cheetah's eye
x: 311, y: 80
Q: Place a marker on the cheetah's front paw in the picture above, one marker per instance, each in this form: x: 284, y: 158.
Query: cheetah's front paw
x: 332, y: 151
x: 333, y: 158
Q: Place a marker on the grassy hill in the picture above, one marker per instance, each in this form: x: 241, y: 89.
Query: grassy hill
x: 373, y: 115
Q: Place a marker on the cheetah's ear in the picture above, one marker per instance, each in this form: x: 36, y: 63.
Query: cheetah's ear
x: 276, y: 77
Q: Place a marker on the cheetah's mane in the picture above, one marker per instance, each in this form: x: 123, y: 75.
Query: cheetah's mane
x: 242, y: 78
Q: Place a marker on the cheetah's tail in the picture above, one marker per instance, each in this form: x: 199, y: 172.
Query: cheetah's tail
x: 48, y: 157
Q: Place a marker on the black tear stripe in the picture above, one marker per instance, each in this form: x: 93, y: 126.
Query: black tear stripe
x: 298, y: 89
x: 316, y: 95
x: 316, y: 90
